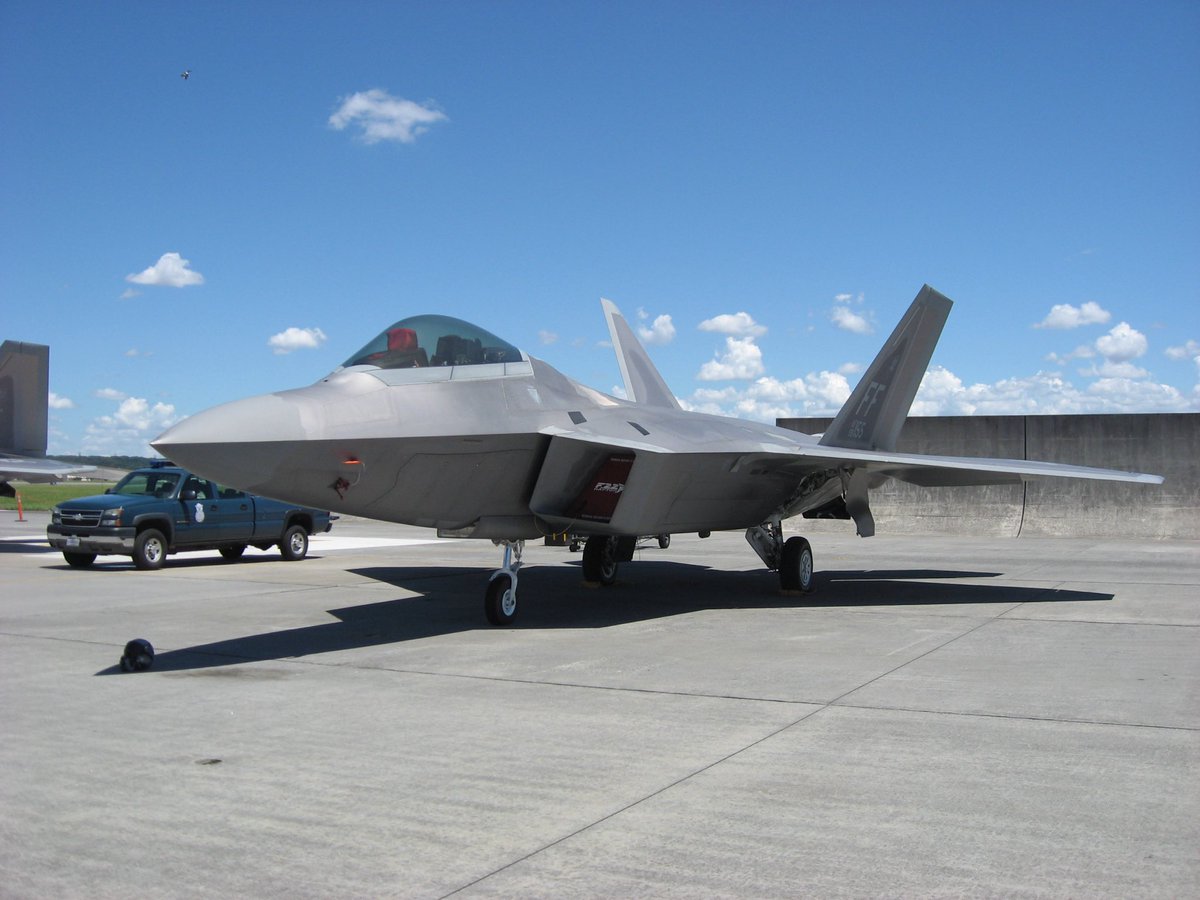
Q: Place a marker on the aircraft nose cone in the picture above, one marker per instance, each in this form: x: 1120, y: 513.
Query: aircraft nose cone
x: 234, y: 443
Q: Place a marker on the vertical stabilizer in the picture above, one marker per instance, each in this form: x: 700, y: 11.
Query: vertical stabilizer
x: 643, y: 384
x: 873, y: 416
x: 24, y: 392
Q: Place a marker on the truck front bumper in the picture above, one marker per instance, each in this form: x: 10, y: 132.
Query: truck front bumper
x: 91, y: 540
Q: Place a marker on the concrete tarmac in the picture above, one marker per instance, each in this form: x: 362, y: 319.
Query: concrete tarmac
x: 944, y: 716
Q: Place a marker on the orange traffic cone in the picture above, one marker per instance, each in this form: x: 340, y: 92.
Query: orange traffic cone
x: 20, y: 509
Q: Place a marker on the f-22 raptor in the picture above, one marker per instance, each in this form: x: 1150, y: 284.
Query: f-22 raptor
x: 438, y: 423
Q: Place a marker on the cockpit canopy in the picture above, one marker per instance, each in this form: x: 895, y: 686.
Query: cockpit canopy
x: 429, y: 341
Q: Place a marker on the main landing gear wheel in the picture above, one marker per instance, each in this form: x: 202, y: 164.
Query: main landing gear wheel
x: 600, y: 560
x: 796, y: 566
x: 500, y: 599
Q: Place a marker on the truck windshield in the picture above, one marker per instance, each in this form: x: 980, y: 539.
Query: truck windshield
x: 421, y: 341
x: 147, y: 484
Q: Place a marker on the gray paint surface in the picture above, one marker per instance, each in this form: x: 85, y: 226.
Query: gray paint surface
x: 1163, y: 443
x: 944, y: 717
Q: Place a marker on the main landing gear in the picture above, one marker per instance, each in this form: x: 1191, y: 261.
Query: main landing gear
x: 602, y: 554
x: 792, y: 559
x: 500, y: 601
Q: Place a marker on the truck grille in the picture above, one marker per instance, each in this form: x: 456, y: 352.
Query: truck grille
x: 81, y: 517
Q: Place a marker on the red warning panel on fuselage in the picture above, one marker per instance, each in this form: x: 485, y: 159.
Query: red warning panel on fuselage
x: 599, y: 498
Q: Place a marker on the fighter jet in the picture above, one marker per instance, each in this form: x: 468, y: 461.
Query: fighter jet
x: 439, y: 423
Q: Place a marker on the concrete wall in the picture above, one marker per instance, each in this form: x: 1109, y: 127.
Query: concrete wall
x: 1163, y: 444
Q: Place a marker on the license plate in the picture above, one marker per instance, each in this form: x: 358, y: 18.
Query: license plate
x: 72, y: 541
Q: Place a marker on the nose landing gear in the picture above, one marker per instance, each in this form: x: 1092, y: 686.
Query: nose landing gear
x: 500, y: 600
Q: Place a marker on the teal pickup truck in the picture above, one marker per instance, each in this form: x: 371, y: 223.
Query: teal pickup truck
x: 164, y: 509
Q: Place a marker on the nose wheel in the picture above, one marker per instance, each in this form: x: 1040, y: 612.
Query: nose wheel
x: 500, y: 599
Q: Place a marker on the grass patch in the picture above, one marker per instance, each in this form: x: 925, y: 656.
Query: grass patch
x: 47, y: 496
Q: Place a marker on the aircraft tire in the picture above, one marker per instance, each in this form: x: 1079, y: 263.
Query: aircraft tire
x: 79, y: 560
x: 500, y: 601
x: 233, y: 552
x: 149, y: 549
x: 796, y: 566
x: 294, y: 545
x: 600, y: 560
x: 664, y: 541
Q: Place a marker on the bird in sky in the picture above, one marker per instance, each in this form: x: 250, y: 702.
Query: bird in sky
x: 185, y: 74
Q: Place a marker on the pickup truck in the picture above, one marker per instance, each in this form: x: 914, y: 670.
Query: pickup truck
x: 164, y: 509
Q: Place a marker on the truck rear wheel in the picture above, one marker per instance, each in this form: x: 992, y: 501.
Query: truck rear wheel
x: 150, y: 549
x: 294, y: 545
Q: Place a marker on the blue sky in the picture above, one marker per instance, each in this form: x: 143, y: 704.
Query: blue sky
x: 761, y: 186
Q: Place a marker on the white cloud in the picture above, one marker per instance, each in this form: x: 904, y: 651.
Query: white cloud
x: 109, y: 394
x: 1122, y: 343
x: 1084, y: 351
x: 1110, y: 369
x: 850, y: 368
x: 171, y: 270
x: 847, y: 320
x: 1190, y: 350
x: 1064, y: 315
x: 130, y: 428
x: 296, y: 339
x: 54, y: 401
x: 768, y: 398
x: 739, y: 324
x: 547, y: 337
x: 742, y: 360
x: 382, y: 117
x: 661, y: 331
x: 942, y: 393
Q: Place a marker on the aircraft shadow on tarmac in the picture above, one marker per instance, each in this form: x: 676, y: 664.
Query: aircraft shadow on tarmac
x: 449, y: 600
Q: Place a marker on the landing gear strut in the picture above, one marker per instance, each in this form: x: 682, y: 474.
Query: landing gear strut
x: 500, y: 601
x: 792, y: 559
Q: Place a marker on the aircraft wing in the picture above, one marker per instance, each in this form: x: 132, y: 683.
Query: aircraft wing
x: 651, y: 485
x: 34, y: 470
x: 960, y: 471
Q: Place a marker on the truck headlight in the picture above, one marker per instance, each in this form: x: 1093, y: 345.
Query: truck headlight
x: 56, y: 516
x: 112, y: 516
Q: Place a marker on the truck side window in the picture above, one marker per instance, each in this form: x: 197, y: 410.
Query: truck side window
x: 226, y: 493
x: 199, y: 486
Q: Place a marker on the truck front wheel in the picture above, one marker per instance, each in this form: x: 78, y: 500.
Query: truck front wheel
x: 294, y: 545
x: 150, y: 549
